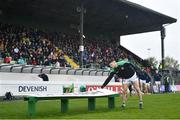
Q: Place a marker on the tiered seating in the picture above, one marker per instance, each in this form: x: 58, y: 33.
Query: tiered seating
x: 31, y: 46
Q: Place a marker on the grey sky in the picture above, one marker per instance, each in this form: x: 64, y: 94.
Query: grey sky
x: 140, y: 43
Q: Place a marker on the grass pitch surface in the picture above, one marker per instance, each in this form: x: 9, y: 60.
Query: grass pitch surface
x: 157, y: 106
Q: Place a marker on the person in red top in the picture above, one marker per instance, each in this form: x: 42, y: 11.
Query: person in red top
x: 34, y: 62
x: 8, y: 58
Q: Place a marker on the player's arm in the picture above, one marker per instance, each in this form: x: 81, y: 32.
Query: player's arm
x: 108, y: 79
x: 122, y: 62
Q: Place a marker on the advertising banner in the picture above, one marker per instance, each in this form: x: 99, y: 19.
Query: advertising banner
x: 29, y: 87
x: 20, y: 88
x: 171, y: 88
x: 115, y: 88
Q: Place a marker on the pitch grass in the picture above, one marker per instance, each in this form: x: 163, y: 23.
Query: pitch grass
x: 157, y: 106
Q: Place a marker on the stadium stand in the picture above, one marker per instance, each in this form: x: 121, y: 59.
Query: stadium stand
x: 26, y: 48
x: 23, y: 45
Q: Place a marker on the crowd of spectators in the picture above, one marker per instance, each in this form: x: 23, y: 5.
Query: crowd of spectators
x: 26, y: 45
x: 96, y: 51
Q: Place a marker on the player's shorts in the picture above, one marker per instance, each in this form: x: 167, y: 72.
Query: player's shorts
x: 118, y: 80
x: 143, y: 81
x: 157, y: 82
x: 133, y: 79
x: 148, y: 84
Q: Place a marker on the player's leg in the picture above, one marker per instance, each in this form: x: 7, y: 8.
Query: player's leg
x: 125, y: 85
x: 157, y: 86
x: 140, y: 84
x: 130, y: 89
x: 145, y: 88
x: 136, y: 86
x: 149, y: 87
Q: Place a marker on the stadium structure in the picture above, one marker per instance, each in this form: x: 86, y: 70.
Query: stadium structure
x: 78, y: 22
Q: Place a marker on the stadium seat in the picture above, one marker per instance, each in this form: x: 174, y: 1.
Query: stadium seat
x: 55, y: 70
x: 37, y: 70
x: 99, y: 73
x: 92, y: 72
x: 26, y: 69
x: 46, y: 70
x: 105, y: 73
x: 5, y: 69
x: 16, y: 69
x: 71, y: 71
x: 79, y: 72
x: 63, y: 71
x: 85, y: 72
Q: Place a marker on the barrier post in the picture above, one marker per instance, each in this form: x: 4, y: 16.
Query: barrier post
x: 32, y: 106
x: 91, y: 104
x: 111, y: 102
x: 64, y: 105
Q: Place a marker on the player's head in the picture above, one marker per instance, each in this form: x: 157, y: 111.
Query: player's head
x: 156, y: 71
x: 113, y: 64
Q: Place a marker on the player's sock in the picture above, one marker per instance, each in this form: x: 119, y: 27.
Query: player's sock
x: 123, y: 105
x: 140, y: 104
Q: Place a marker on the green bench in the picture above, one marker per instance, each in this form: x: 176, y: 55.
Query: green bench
x: 32, y: 100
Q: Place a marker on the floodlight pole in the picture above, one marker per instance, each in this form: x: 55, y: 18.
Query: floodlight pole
x: 163, y: 35
x: 81, y: 33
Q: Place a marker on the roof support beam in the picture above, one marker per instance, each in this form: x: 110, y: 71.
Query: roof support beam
x: 81, y: 33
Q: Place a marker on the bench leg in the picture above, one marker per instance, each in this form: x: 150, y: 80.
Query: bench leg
x: 111, y: 102
x: 32, y: 106
x: 64, y: 105
x: 91, y: 104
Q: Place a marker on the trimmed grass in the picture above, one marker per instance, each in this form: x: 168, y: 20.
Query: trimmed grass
x: 157, y: 106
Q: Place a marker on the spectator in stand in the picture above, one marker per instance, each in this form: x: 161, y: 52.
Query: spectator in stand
x: 34, y: 62
x: 1, y: 47
x: 57, y: 64
x: 21, y: 61
x: 8, y: 58
x: 47, y: 62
